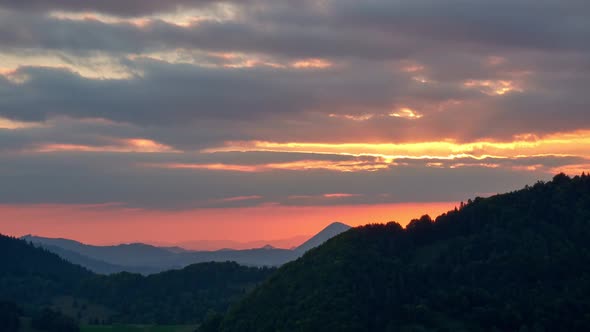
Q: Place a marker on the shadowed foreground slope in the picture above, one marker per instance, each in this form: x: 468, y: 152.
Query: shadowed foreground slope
x: 513, y: 262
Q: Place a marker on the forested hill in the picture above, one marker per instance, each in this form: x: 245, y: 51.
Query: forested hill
x: 34, y: 278
x: 174, y: 297
x: 513, y: 262
x: 32, y: 275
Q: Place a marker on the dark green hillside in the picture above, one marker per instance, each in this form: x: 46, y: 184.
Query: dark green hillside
x: 174, y: 297
x: 36, y: 279
x: 512, y: 262
x: 32, y: 275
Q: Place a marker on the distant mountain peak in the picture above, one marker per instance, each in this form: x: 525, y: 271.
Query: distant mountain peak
x: 324, y: 235
x: 337, y: 224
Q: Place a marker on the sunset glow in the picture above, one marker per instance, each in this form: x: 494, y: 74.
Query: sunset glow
x: 265, y: 119
x: 559, y: 144
x: 239, y: 224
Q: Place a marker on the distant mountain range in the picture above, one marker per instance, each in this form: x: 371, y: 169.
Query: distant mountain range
x: 212, y: 245
x: 147, y: 259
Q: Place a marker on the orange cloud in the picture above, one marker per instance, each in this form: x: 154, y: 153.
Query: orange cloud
x: 340, y: 195
x: 311, y: 64
x: 406, y: 113
x: 133, y: 145
x: 559, y: 144
x: 302, y: 165
x: 443, y: 153
x: 494, y: 87
x: 346, y: 166
x: 6, y: 71
x: 212, y: 167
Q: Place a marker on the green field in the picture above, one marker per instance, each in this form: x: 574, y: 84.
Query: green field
x: 138, y: 328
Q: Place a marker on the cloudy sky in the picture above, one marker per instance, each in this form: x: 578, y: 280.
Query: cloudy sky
x: 167, y: 121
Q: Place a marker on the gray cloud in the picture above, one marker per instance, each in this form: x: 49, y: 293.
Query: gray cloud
x: 178, y: 93
x: 371, y: 29
x: 113, y: 7
x: 269, y: 104
x: 87, y: 178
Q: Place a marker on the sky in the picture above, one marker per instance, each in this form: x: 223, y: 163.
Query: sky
x: 246, y: 120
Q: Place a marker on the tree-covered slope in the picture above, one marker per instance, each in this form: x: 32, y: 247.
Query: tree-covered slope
x: 174, y: 297
x: 513, y: 262
x: 34, y: 277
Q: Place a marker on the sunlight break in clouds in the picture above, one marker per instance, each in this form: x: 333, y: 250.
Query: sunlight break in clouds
x: 500, y: 87
x: 348, y: 166
x: 406, y: 113
x: 560, y: 144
